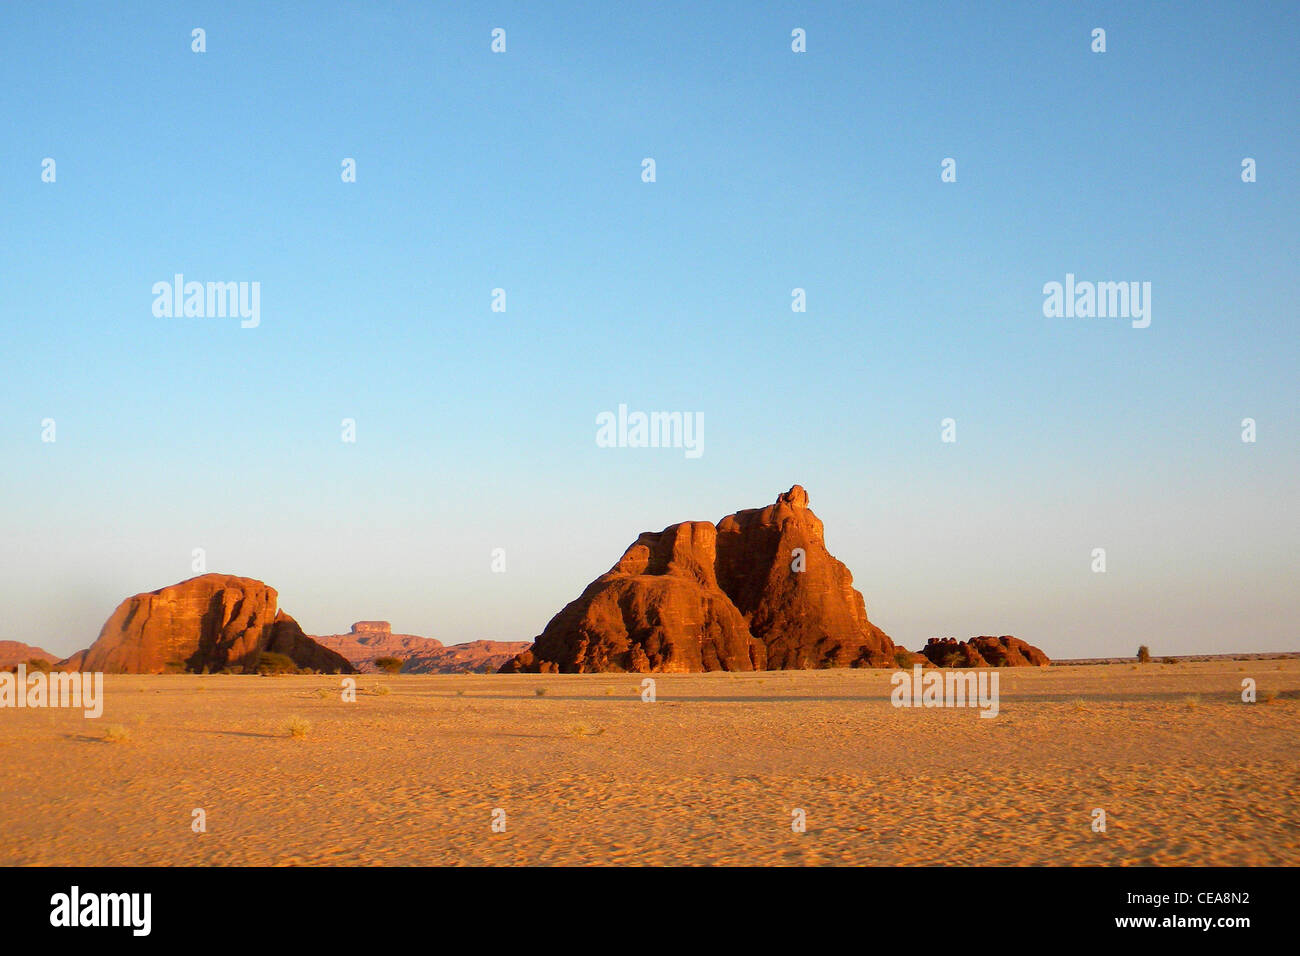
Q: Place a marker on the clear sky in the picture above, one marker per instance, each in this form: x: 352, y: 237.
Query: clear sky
x: 775, y: 170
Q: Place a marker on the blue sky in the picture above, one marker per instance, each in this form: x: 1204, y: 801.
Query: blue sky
x: 775, y: 170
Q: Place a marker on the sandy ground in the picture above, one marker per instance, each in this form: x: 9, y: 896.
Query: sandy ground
x: 709, y: 773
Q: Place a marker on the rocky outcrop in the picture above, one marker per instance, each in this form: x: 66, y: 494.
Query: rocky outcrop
x: 13, y: 653
x: 1006, y: 651
x: 368, y: 641
x: 288, y: 638
x: 757, y: 590
x: 469, y: 658
x: 212, y: 622
x: 812, y: 617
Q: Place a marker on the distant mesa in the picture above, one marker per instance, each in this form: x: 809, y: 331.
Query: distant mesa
x: 368, y: 641
x: 212, y: 623
x: 471, y: 657
x: 1005, y: 651
x: 13, y: 653
x: 756, y: 591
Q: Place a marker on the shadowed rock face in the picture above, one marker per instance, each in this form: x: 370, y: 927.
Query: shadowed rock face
x: 213, y: 621
x: 1006, y: 651
x: 288, y: 638
x: 700, y: 597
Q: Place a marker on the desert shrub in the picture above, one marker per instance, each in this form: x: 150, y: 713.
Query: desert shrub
x: 116, y: 734
x: 38, y: 664
x: 389, y: 665
x: 379, y: 690
x: 1144, y: 655
x: 269, y: 664
x: 539, y: 691
x: 584, y: 729
x: 903, y: 658
x: 297, y: 726
x: 1171, y: 660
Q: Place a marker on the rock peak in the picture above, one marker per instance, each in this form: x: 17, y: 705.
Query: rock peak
x: 372, y: 627
x: 796, y: 497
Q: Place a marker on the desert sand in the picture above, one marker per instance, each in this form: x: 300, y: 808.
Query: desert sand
x: 710, y: 773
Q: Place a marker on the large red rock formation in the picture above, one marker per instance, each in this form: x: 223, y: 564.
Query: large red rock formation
x: 1005, y: 651
x: 758, y: 590
x: 212, y: 622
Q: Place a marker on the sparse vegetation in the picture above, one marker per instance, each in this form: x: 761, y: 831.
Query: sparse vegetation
x: 389, y: 665
x: 297, y: 726
x: 584, y: 729
x: 270, y: 664
x: 116, y: 734
x: 1171, y: 660
x: 1267, y: 696
x: 903, y: 658
x: 539, y: 691
x: 378, y: 690
x: 1144, y: 655
x: 38, y: 664
x: 1192, y: 701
